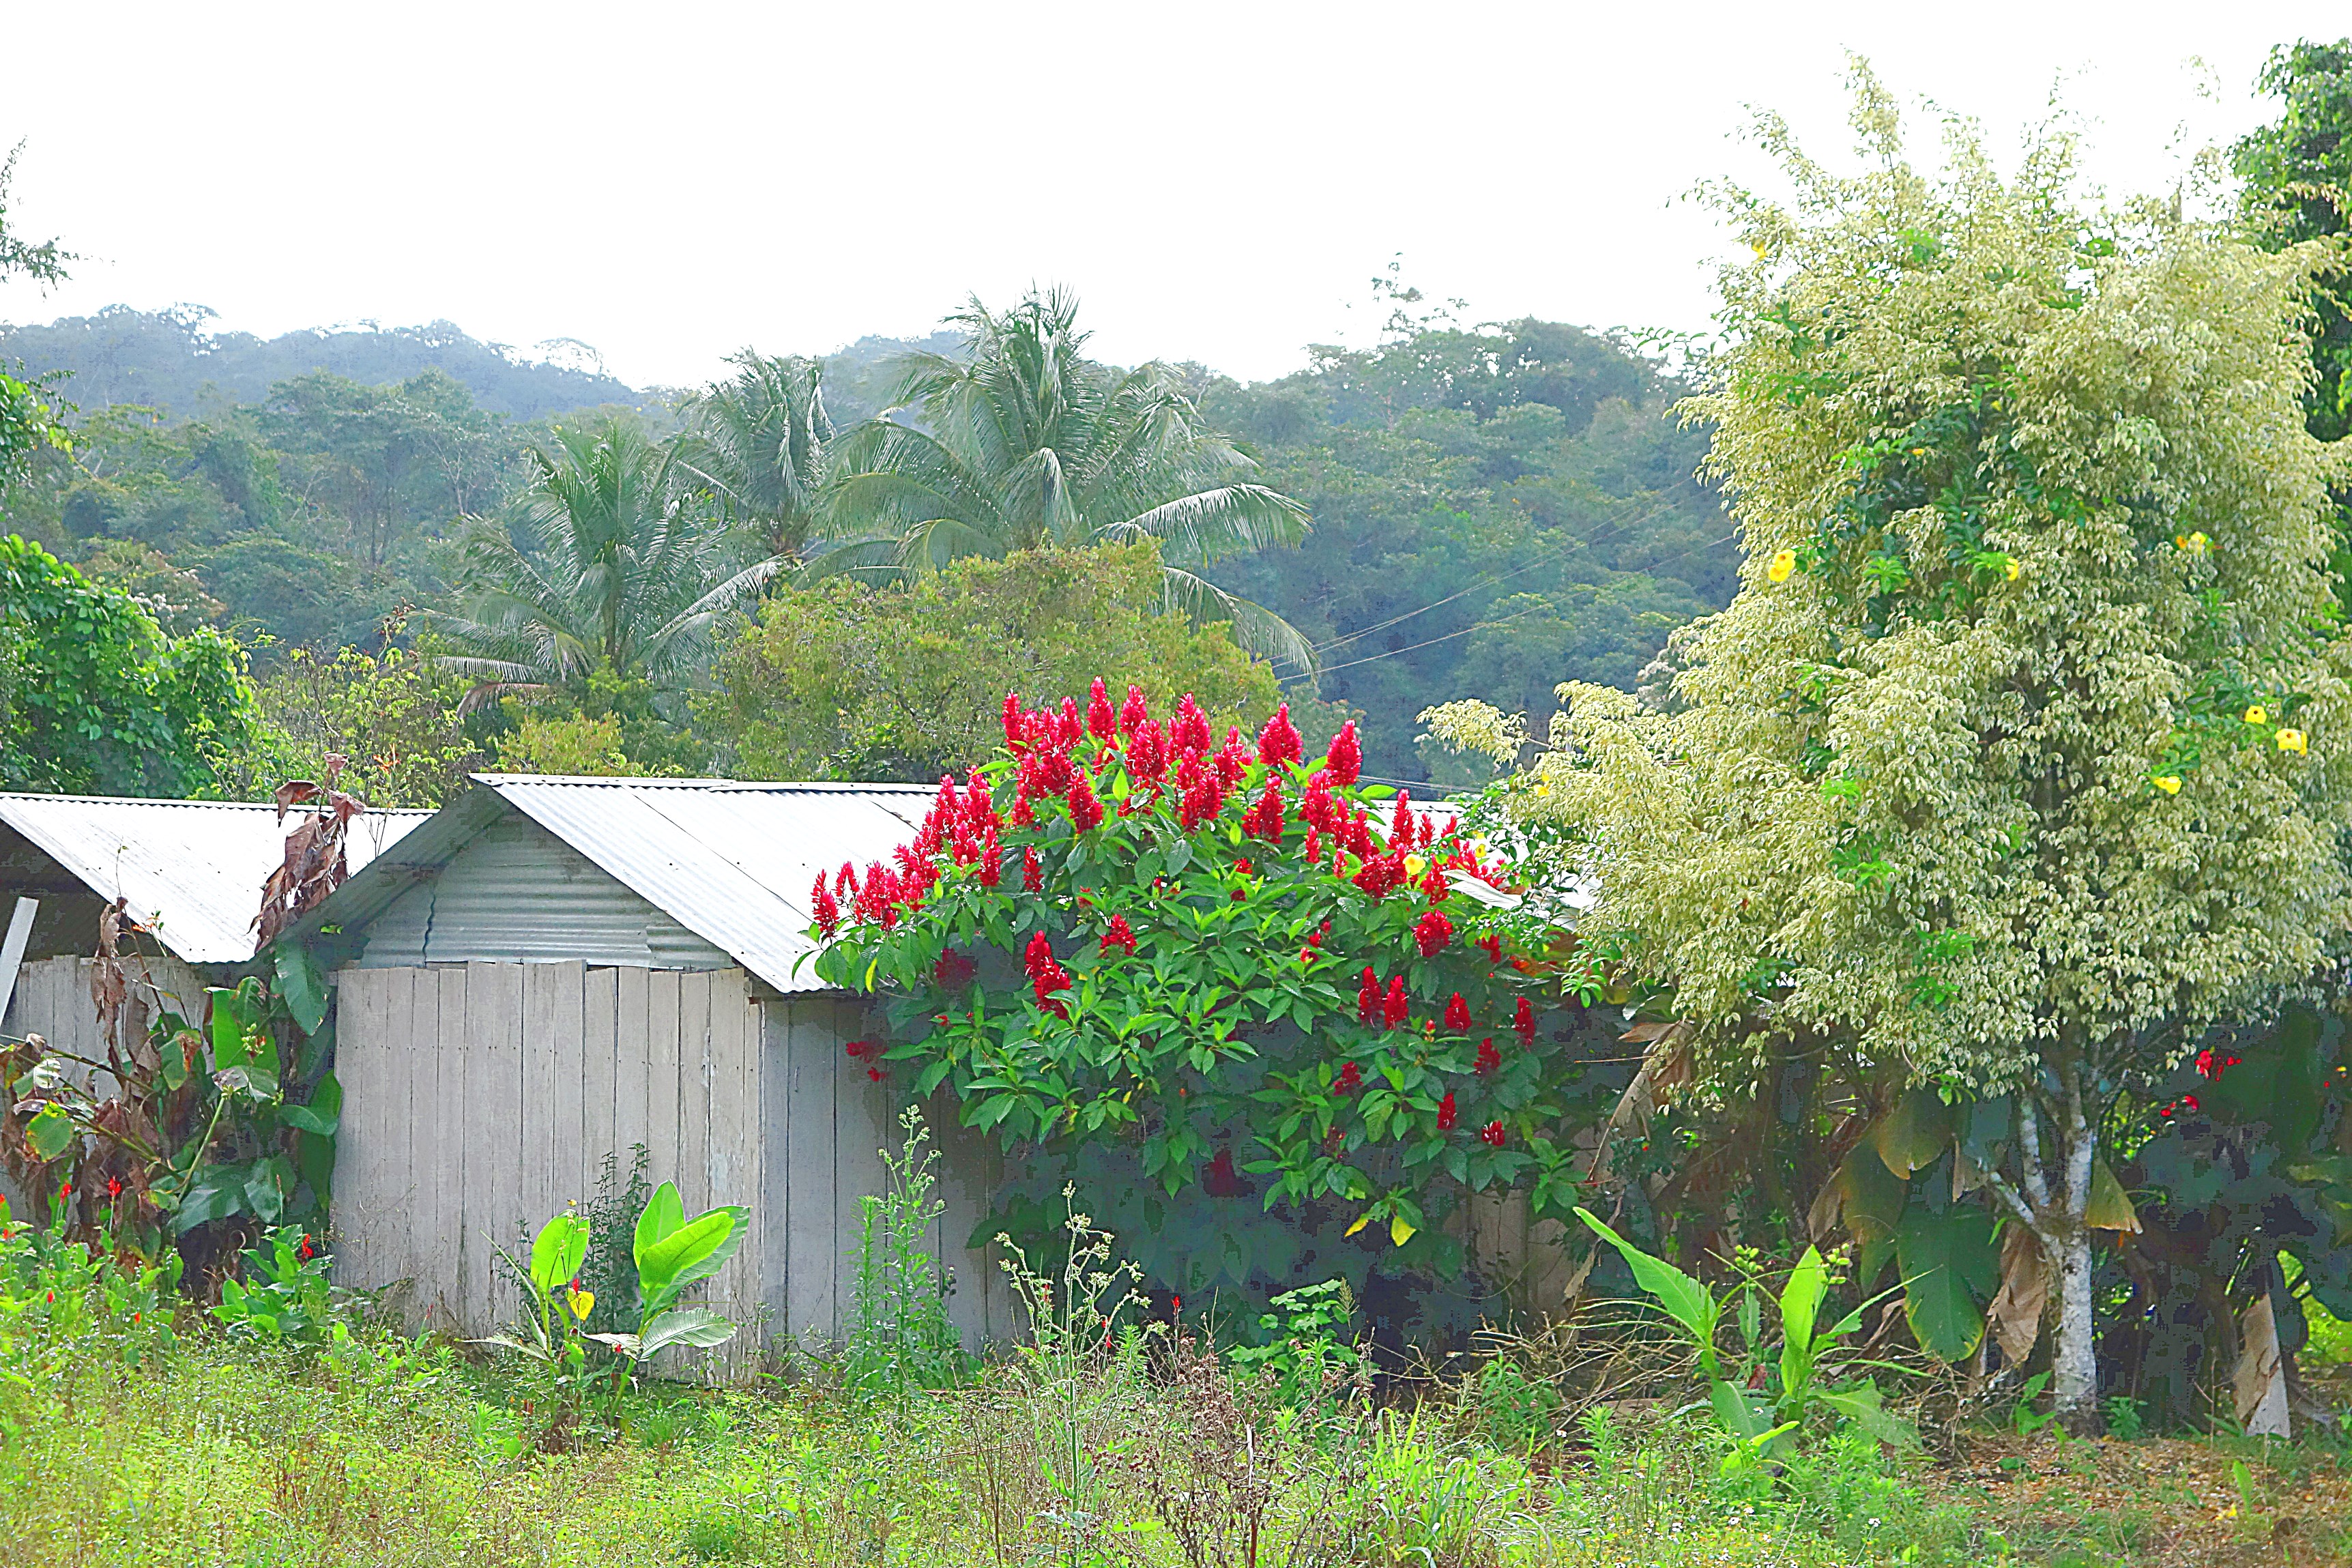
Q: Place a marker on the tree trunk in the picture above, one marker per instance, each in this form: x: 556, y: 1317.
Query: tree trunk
x: 2052, y: 1198
x: 2073, y: 1366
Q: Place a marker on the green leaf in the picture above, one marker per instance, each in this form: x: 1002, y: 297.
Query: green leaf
x: 686, y: 1326
x: 50, y: 1131
x: 1866, y: 1408
x: 557, y: 1254
x: 1951, y: 1269
x: 301, y: 983
x: 323, y: 1115
x: 1732, y: 1407
x: 1688, y: 1302
x: 228, y: 1030
x: 1911, y: 1136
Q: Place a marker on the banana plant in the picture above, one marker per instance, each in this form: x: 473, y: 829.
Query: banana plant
x: 1757, y: 1416
x: 674, y: 1252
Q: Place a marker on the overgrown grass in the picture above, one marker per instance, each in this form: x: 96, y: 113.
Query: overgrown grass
x: 382, y: 1455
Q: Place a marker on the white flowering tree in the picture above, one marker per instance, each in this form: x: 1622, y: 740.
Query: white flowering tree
x: 2021, y: 751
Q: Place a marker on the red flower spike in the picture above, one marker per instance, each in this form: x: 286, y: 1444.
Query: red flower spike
x: 1457, y: 1014
x: 1070, y: 731
x: 1401, y: 825
x: 1101, y: 722
x: 1492, y: 943
x: 1086, y: 812
x: 1346, y: 756
x: 1350, y: 1080
x: 1146, y: 751
x: 1242, y: 866
x: 1490, y: 1058
x: 1432, y: 932
x: 1445, y: 1112
x: 113, y: 1186
x: 1523, y: 1023
x: 1232, y: 760
x: 1191, y: 732
x: 1264, y: 819
x: 1119, y: 935
x: 1492, y: 1134
x: 1313, y: 847
x: 829, y: 910
x: 1395, y: 1008
x: 2189, y: 1100
x: 992, y: 860
x: 1278, y: 742
x: 1132, y: 712
x: 1013, y: 726
x: 877, y: 1074
x: 1033, y: 873
x: 1368, y: 998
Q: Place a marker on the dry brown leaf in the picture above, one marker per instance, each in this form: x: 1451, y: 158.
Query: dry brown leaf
x: 2018, y: 1305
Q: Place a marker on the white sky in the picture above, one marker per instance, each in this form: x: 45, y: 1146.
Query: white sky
x: 669, y: 182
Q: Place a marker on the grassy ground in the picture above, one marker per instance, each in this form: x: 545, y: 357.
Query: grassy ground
x: 215, y: 1454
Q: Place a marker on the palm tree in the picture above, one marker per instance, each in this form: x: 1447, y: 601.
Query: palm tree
x: 602, y: 567
x: 757, y: 443
x: 1023, y: 443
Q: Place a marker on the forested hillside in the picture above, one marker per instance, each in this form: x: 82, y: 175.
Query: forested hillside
x: 1489, y: 508
x: 168, y: 360
x: 1495, y: 511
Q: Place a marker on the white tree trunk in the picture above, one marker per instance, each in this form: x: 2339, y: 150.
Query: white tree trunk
x: 2073, y: 1366
x: 2055, y: 1211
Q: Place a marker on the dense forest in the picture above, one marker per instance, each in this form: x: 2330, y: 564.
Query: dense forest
x: 1485, y: 507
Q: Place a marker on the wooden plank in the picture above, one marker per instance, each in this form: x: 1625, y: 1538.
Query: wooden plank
x: 662, y: 1004
x: 814, y: 1240
x: 358, y: 1068
x: 865, y: 1114
x: 551, y: 1090
x: 631, y: 1097
x: 379, y: 1215
x: 694, y: 1089
x: 492, y: 1153
x: 771, y: 1222
x: 599, y: 1014
x: 436, y: 1045
x: 731, y: 1142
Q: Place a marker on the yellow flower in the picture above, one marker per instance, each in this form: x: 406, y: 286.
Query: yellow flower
x: 2169, y: 783
x: 2293, y: 741
x: 1415, y: 865
x: 1782, y: 564
x: 582, y: 1303
x: 2010, y: 568
x: 2256, y: 715
x: 2194, y: 543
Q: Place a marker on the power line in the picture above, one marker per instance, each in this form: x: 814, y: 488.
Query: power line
x: 1515, y: 615
x: 1605, y: 536
x: 1600, y: 538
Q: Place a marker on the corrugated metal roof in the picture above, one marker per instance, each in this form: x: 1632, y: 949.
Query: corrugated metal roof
x: 731, y: 862
x: 192, y: 869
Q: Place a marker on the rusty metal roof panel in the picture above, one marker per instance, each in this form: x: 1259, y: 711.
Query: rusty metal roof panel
x: 191, y: 869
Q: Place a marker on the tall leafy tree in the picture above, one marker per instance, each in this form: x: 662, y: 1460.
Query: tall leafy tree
x: 1021, y: 442
x: 2022, y: 754
x: 32, y: 418
x: 603, y: 568
x: 757, y: 441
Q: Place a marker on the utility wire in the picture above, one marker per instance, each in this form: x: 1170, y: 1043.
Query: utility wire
x: 1499, y: 620
x: 1606, y: 536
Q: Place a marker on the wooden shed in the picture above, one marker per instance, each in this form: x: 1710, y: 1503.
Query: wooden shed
x: 189, y: 874
x: 551, y: 970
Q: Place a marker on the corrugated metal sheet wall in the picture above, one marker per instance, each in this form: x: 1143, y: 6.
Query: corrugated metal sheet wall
x: 478, y: 1099
x: 519, y: 893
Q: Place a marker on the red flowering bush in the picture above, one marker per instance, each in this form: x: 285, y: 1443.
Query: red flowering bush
x: 1215, y: 947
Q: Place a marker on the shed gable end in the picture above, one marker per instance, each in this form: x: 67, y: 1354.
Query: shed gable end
x: 516, y: 893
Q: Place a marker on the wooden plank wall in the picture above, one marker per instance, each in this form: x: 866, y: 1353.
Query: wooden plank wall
x: 481, y: 1098
x: 825, y: 1123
